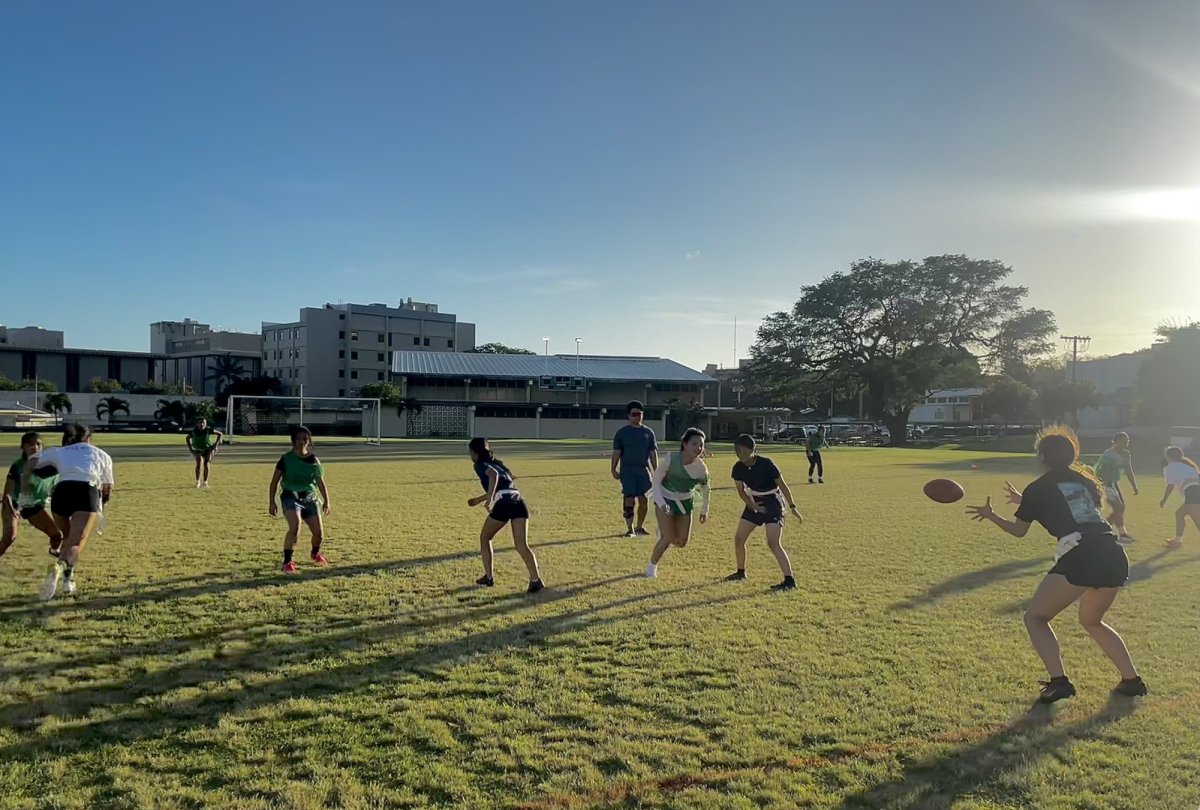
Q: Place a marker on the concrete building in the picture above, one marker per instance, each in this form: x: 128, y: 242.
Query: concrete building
x: 192, y: 350
x: 953, y: 406
x: 1114, y: 377
x: 336, y: 349
x: 536, y: 397
x: 30, y: 337
x: 72, y: 369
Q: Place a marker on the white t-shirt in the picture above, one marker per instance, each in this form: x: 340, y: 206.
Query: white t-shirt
x: 78, y: 462
x: 1181, y: 476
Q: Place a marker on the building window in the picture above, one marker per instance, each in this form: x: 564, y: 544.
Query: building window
x: 341, y: 372
x: 354, y: 375
x: 353, y: 335
x: 449, y: 344
x: 390, y: 356
x: 380, y: 336
x: 341, y: 354
x: 381, y: 375
x: 278, y: 336
x: 265, y: 356
x: 426, y: 341
x: 297, y: 354
x: 416, y: 341
x: 341, y: 392
x: 341, y: 335
x: 389, y: 338
x: 380, y: 356
x: 342, y: 317
x: 291, y: 353
x: 353, y: 355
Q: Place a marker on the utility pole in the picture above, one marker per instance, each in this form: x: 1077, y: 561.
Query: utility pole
x: 1075, y: 340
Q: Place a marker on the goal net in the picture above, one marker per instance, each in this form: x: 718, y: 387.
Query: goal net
x: 352, y: 419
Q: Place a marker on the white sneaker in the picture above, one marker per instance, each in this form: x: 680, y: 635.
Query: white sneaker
x: 50, y: 586
x: 651, y: 571
x: 69, y: 586
x: 198, y: 484
x: 204, y: 485
x: 1126, y: 539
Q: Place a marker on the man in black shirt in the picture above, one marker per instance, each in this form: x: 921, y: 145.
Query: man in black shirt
x: 762, y: 488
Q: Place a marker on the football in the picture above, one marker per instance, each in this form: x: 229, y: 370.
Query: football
x: 943, y: 490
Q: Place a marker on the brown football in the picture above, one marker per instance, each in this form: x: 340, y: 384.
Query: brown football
x: 943, y: 490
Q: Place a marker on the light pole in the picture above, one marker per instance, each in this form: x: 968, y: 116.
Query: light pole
x: 578, y: 343
x: 546, y: 340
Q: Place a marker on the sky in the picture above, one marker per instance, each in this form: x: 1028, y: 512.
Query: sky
x: 635, y: 174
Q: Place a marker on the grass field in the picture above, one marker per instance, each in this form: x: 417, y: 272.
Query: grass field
x: 187, y: 672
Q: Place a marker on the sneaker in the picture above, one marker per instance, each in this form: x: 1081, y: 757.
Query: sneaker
x: 55, y: 551
x: 290, y: 567
x: 629, y: 533
x: 820, y: 480
x: 204, y: 485
x: 1132, y: 687
x: 640, y: 532
x: 198, y: 484
x: 810, y: 481
x: 651, y: 571
x: 50, y: 586
x: 1056, y: 689
x: 68, y: 586
x: 1126, y: 539
x: 736, y: 576
x: 535, y: 586
x: 788, y: 584
x: 1175, y: 542
x: 486, y: 582
x: 319, y: 558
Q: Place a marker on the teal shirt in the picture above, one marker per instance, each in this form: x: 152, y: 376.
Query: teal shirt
x: 816, y: 443
x: 300, y: 474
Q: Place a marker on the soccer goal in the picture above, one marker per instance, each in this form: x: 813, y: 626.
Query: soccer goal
x: 353, y: 419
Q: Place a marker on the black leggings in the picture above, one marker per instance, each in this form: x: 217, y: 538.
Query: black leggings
x: 815, y: 463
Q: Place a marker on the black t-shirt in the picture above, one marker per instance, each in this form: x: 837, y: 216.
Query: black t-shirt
x: 760, y: 477
x: 1064, y: 503
x: 506, y: 479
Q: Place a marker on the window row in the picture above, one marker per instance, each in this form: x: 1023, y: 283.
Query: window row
x: 379, y: 375
x: 279, y: 354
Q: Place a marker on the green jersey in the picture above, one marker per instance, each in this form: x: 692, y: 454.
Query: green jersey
x: 1111, y: 465
x: 39, y: 488
x: 816, y: 443
x: 680, y: 479
x: 202, y: 440
x: 300, y: 474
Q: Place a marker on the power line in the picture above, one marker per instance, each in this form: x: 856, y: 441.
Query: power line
x: 1075, y: 340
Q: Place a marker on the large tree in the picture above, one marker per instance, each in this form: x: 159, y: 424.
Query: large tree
x: 1009, y: 399
x: 898, y: 330
x: 1061, y: 399
x: 1168, y: 379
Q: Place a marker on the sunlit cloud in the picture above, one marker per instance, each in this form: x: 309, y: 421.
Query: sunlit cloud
x: 694, y: 254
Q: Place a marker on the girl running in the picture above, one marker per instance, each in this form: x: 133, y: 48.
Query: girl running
x: 1182, y: 474
x: 303, y: 477
x: 762, y: 488
x: 673, y: 488
x: 85, y: 483
x: 505, y: 505
x: 203, y: 442
x: 28, y: 505
x: 1090, y: 565
x: 1115, y: 462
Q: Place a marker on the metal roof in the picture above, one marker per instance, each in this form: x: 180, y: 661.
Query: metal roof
x: 528, y: 366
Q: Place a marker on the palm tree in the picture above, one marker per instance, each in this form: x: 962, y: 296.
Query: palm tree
x: 171, y: 411
x: 58, y: 404
x: 110, y: 407
x: 226, y: 371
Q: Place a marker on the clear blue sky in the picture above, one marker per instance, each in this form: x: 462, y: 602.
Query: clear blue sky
x: 547, y: 168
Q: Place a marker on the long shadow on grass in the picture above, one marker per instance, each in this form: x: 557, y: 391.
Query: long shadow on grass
x: 204, y: 584
x: 971, y: 581
x: 339, y: 676
x: 984, y: 770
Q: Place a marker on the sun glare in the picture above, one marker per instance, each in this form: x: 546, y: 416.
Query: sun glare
x: 1173, y: 204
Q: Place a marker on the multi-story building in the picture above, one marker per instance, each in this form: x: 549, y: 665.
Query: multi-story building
x: 193, y: 351
x: 30, y: 337
x: 335, y: 350
x: 72, y: 370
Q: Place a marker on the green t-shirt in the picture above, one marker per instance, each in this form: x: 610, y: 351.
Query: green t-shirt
x: 679, y: 479
x: 1111, y: 465
x: 202, y: 439
x: 300, y: 474
x: 816, y: 443
x: 39, y: 488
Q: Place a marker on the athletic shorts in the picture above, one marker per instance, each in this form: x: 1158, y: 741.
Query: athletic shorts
x: 1112, y: 494
x: 302, y: 502
x: 29, y: 511
x: 74, y: 496
x: 773, y: 512
x: 635, y: 483
x: 683, y: 507
x: 205, y: 454
x: 1191, y: 495
x: 1098, y: 561
x: 509, y: 507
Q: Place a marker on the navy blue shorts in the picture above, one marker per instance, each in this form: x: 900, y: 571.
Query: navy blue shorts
x: 302, y: 502
x: 772, y: 512
x: 509, y: 507
x: 635, y: 483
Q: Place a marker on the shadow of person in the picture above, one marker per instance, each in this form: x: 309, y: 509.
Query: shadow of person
x: 972, y: 580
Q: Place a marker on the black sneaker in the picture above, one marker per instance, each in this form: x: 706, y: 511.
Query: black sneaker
x: 1132, y: 687
x: 1056, y: 689
x: 486, y: 582
x: 629, y: 533
x: 736, y: 576
x: 535, y: 586
x: 788, y: 584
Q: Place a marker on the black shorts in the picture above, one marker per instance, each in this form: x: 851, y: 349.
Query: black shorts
x: 509, y: 507
x: 1098, y: 561
x: 29, y: 511
x: 1191, y: 495
x: 74, y: 496
x: 772, y: 512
